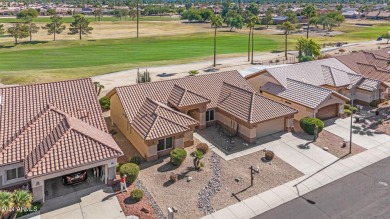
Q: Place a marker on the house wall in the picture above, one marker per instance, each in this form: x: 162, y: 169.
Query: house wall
x: 117, y: 114
x: 260, y: 80
x: 244, y: 132
x: 269, y: 127
x: 3, y: 176
x: 334, y: 99
x: 362, y: 96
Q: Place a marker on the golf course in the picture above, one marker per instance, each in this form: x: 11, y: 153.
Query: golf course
x: 112, y: 46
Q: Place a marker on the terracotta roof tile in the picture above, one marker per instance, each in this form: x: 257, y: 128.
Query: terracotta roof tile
x: 250, y: 106
x: 181, y: 97
x: 156, y: 120
x: 335, y: 77
x: 31, y: 124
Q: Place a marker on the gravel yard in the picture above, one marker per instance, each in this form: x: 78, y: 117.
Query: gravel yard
x: 334, y: 143
x: 181, y: 194
x: 272, y: 174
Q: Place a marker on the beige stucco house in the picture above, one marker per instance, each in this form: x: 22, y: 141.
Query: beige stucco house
x: 159, y: 116
x: 50, y: 130
x: 317, y: 88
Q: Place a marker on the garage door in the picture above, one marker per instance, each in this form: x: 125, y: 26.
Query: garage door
x: 270, y: 127
x: 327, y: 112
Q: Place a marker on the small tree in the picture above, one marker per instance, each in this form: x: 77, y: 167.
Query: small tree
x: 55, y: 26
x: 80, y: 26
x: 386, y: 36
x: 5, y: 202
x: 18, y: 31
x: 98, y: 13
x: 144, y: 77
x: 267, y: 20
x: 308, y: 124
x: 51, y: 12
x: 287, y: 27
x: 27, y: 14
x: 198, y: 155
x: 2, y: 30
x: 32, y: 28
x: 21, y: 199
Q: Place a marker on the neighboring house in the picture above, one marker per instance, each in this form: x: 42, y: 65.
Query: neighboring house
x: 50, y: 130
x: 351, y: 14
x: 159, y: 116
x: 372, y: 15
x: 384, y: 15
x: 329, y: 82
x: 371, y: 64
x: 279, y: 19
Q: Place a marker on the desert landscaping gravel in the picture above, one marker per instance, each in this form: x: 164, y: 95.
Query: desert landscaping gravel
x: 334, y: 144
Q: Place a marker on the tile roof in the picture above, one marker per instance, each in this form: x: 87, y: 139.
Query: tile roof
x: 141, y: 110
x: 70, y: 143
x: 335, y: 77
x: 207, y: 86
x: 156, y: 120
x: 300, y: 92
x: 371, y: 64
x: 27, y: 118
x: 181, y: 97
x: 310, y: 72
x: 250, y: 106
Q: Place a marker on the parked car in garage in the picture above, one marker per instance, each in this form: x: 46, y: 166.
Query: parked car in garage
x: 74, y: 178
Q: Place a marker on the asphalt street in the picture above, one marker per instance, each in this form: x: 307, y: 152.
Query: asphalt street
x: 361, y: 195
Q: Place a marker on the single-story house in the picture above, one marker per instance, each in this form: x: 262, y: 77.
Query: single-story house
x: 371, y: 64
x: 333, y: 80
x: 50, y: 130
x: 351, y: 14
x: 159, y: 116
x: 372, y: 15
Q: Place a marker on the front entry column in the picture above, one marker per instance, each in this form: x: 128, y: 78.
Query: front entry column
x: 38, y: 189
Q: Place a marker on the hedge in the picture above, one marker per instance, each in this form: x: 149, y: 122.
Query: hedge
x: 137, y: 194
x: 308, y: 124
x: 178, y: 155
x: 131, y: 170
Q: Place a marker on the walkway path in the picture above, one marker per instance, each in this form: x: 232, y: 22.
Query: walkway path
x: 378, y: 148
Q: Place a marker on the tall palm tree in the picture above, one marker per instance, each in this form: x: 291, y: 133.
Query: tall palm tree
x: 254, y: 20
x: 309, y: 11
x: 20, y: 199
x: 249, y: 25
x: 216, y: 21
x: 5, y: 202
x: 287, y: 27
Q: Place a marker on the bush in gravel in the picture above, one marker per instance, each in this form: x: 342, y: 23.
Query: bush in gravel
x: 347, y: 106
x: 269, y: 155
x: 131, y: 170
x: 309, y: 123
x: 178, y: 155
x: 173, y: 177
x: 202, y: 147
x: 137, y: 194
x: 105, y: 103
x: 136, y: 159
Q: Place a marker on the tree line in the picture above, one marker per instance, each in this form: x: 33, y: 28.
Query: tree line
x: 26, y: 28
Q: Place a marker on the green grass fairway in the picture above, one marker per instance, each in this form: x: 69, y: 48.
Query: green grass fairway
x: 69, y: 19
x: 50, y: 61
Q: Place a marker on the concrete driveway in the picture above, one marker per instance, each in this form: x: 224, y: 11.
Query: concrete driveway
x: 362, y: 136
x: 85, y: 204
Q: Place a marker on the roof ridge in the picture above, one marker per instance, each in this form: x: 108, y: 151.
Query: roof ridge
x: 168, y: 108
x: 163, y: 118
x: 331, y: 73
x: 44, y: 83
x: 177, y: 79
x: 26, y: 126
x: 312, y: 85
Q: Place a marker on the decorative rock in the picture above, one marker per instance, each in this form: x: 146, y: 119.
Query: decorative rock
x: 145, y: 210
x: 132, y: 217
x: 237, y: 179
x: 270, y: 163
x: 189, y: 178
x: 325, y: 148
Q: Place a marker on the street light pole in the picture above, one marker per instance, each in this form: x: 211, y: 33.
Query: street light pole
x: 350, y: 131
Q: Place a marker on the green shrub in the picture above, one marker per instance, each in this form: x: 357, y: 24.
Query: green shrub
x: 193, y: 72
x: 202, y: 147
x: 269, y: 155
x: 354, y: 109
x: 131, y: 170
x: 137, y: 194
x: 308, y: 123
x: 347, y: 106
x: 178, y: 155
x: 347, y: 112
x: 118, y: 166
x: 136, y: 159
x: 105, y: 103
x: 306, y: 59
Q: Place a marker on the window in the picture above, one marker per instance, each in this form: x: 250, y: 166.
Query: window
x: 209, y: 115
x: 15, y: 173
x: 164, y: 144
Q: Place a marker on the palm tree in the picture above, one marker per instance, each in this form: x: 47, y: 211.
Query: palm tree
x: 309, y: 11
x: 5, y: 202
x: 216, y: 21
x: 20, y: 199
x: 100, y: 86
x: 287, y: 27
x: 253, y: 20
x: 249, y: 25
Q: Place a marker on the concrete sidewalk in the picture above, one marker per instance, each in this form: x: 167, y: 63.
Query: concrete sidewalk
x: 378, y: 150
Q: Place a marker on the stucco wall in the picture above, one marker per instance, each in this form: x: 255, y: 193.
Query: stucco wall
x: 260, y: 80
x: 332, y: 100
x: 118, y: 118
x: 269, y: 127
x: 3, y: 173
